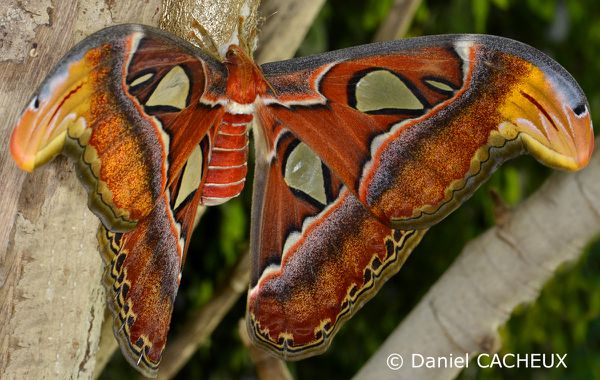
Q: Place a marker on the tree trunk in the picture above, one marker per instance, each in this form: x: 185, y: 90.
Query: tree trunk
x: 51, y: 297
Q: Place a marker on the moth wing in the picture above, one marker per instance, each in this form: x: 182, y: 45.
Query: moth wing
x: 317, y: 253
x: 124, y: 103
x: 413, y: 127
x: 359, y: 151
x: 143, y: 267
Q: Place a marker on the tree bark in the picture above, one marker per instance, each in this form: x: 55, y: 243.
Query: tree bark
x: 40, y: 205
x: 51, y: 298
x: 501, y: 269
x: 286, y: 25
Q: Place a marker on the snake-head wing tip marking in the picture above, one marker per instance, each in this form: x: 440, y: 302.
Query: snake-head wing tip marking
x: 550, y: 112
x: 40, y: 133
x: 32, y: 145
x: 554, y: 133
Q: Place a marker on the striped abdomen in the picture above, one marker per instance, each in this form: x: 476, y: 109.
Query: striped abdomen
x: 228, y: 166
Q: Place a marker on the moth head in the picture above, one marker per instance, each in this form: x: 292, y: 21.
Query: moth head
x: 236, y: 56
x: 245, y: 80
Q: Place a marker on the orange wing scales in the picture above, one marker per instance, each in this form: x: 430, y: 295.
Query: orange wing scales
x: 142, y: 277
x: 452, y: 151
x: 130, y: 119
x: 457, y: 117
x: 297, y: 307
x: 304, y: 286
x: 96, y: 124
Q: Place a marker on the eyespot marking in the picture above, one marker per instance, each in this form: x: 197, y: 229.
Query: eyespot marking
x: 142, y: 79
x: 381, y: 89
x: 172, y: 91
x: 304, y: 172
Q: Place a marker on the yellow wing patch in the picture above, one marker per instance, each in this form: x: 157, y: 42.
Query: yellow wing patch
x: 383, y: 90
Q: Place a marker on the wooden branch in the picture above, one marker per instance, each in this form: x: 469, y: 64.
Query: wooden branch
x: 218, y: 17
x: 496, y: 272
x: 287, y: 22
x: 107, y: 344
x: 398, y: 21
x: 51, y: 298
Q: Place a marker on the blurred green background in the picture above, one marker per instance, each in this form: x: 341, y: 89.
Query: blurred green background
x: 566, y: 317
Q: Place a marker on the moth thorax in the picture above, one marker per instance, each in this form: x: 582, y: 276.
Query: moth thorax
x: 245, y: 80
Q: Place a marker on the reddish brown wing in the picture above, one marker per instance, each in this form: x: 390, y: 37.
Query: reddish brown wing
x: 354, y: 143
x: 143, y: 270
x: 413, y: 127
x: 125, y: 104
x: 317, y: 253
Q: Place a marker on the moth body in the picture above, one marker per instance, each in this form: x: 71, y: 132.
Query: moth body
x: 227, y: 167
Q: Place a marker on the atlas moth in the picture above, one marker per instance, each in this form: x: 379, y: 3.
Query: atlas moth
x: 358, y: 152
